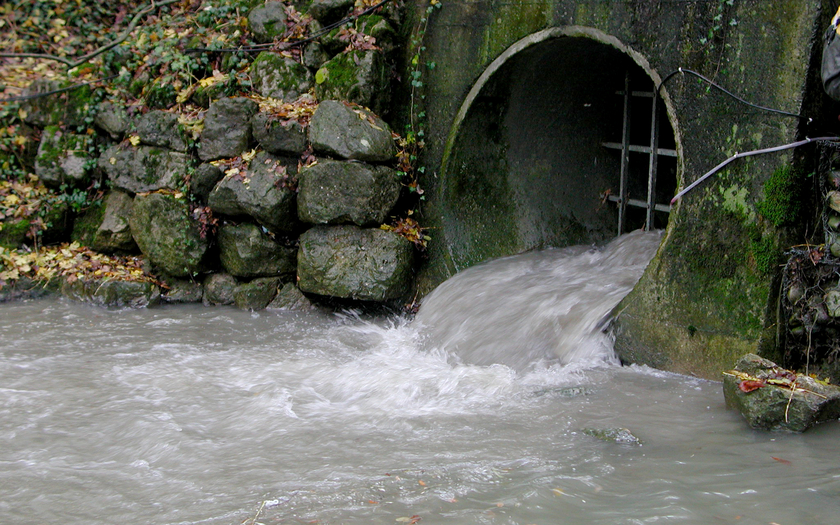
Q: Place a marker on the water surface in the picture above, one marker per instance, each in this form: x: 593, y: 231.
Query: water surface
x: 196, y: 415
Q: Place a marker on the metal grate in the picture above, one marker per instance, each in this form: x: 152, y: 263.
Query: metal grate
x: 653, y: 151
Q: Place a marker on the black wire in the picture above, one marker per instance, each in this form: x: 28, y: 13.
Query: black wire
x: 287, y: 45
x: 726, y: 91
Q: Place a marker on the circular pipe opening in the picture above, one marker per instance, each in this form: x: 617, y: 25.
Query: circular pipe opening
x: 534, y: 158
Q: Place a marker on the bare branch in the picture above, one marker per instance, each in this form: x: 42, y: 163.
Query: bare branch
x: 36, y: 55
x: 54, y: 91
x: 71, y: 63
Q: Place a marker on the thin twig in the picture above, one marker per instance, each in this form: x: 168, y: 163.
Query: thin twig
x: 790, y: 400
x: 257, y: 515
x: 75, y: 63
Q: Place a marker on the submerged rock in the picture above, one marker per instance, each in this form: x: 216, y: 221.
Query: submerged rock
x: 621, y: 436
x: 26, y: 288
x: 106, y: 292
x: 181, y: 291
x: 245, y: 251
x: 354, y: 263
x: 256, y: 294
x: 565, y: 392
x: 219, y: 288
x: 290, y: 298
x: 772, y: 398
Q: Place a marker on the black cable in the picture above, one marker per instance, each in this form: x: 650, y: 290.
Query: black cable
x: 731, y: 94
x: 749, y: 154
x: 287, y: 45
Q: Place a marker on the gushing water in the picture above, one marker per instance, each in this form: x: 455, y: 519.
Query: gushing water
x: 550, y: 304
x: 194, y: 415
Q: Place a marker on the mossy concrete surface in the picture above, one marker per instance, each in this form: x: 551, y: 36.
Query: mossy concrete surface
x: 708, y: 295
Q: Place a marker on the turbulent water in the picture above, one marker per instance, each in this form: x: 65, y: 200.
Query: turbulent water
x: 194, y: 415
x: 520, y: 310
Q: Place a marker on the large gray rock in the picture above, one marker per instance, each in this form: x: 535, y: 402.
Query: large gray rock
x: 356, y: 263
x: 336, y: 192
x: 279, y: 137
x: 245, y: 251
x: 227, y: 128
x: 113, y: 119
x: 109, y: 292
x: 55, y: 222
x: 256, y: 295
x: 219, y: 288
x: 168, y: 235
x: 268, y: 21
x: 266, y: 193
x: 68, y: 108
x: 105, y: 228
x: 62, y: 158
x: 350, y: 133
x: 161, y: 128
x: 182, y: 291
x: 289, y: 297
x: 144, y: 168
x: 314, y: 54
x: 772, y: 398
x: 327, y: 11
x: 203, y: 180
x: 279, y: 77
x: 357, y: 76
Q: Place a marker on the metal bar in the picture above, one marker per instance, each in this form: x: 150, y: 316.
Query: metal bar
x: 652, y: 166
x: 642, y: 149
x: 749, y: 154
x: 625, y: 156
x: 636, y: 203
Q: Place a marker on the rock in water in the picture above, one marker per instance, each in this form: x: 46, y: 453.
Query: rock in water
x: 622, y: 436
x: 368, y: 264
x: 772, y: 398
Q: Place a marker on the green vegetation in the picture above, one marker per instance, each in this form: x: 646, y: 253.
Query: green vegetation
x: 782, y: 197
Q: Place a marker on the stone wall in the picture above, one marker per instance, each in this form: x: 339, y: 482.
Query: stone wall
x: 254, y: 199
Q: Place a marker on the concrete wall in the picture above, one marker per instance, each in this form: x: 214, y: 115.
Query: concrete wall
x: 520, y: 97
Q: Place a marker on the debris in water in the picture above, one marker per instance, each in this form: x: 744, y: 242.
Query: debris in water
x: 613, y: 435
x: 567, y: 392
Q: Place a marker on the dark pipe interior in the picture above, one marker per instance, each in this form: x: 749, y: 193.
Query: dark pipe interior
x: 528, y: 168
